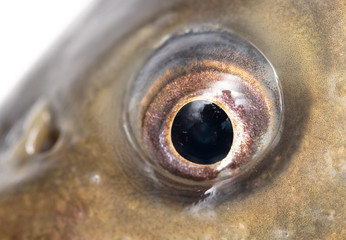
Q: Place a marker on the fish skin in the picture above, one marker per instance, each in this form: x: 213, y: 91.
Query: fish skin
x: 89, y: 187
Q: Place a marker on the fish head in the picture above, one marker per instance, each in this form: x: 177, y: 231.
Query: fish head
x: 78, y: 162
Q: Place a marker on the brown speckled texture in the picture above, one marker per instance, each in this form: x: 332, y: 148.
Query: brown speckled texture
x: 198, y: 80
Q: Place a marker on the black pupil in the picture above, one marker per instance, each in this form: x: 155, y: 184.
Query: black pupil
x: 202, y: 132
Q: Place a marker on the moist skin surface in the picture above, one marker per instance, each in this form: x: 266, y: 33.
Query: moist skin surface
x: 87, y: 184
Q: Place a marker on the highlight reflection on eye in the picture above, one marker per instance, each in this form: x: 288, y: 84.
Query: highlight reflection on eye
x: 206, y: 105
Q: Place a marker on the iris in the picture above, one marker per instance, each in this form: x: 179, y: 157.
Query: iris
x: 202, y: 132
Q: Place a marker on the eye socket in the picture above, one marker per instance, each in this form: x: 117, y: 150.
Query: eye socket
x: 205, y: 106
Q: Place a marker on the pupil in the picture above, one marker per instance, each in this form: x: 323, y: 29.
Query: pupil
x: 202, y: 132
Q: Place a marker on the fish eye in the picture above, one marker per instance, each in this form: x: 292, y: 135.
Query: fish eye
x: 205, y: 106
x: 202, y: 132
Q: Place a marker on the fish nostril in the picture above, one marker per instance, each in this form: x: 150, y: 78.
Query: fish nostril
x: 50, y: 140
x: 32, y: 135
x: 28, y: 145
x: 40, y: 134
x: 41, y: 140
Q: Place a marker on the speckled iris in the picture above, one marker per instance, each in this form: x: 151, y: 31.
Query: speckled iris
x: 202, y: 132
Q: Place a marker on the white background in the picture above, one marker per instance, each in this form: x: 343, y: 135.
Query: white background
x: 27, y: 29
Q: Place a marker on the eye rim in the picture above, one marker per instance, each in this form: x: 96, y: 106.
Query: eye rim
x: 204, y: 172
x: 262, y: 61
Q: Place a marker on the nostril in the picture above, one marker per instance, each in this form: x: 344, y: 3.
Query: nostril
x: 38, y: 134
x: 50, y: 140
x: 27, y: 146
x: 41, y: 134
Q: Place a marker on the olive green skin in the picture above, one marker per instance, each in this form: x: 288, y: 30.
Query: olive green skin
x: 86, y: 190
